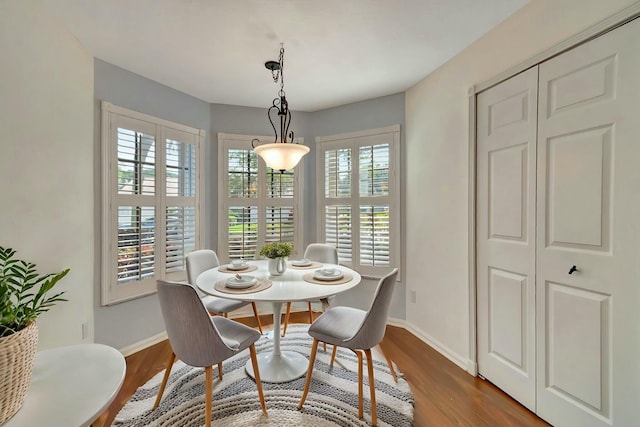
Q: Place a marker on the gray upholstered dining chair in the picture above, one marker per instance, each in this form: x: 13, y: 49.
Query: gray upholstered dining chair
x: 319, y: 252
x: 204, y: 259
x: 357, y: 330
x: 201, y: 340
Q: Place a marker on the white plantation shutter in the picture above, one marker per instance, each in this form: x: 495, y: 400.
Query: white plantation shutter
x: 338, y: 173
x: 360, y: 198
x: 180, y: 168
x: 136, y: 243
x: 374, y: 173
x: 280, y: 185
x: 180, y: 232
x: 243, y: 232
x: 338, y: 169
x: 279, y: 220
x: 338, y: 231
x: 135, y: 151
x: 374, y: 170
x: 374, y: 235
x: 180, y: 183
x: 242, y: 221
x: 279, y: 224
x: 150, y: 197
x: 262, y: 204
x: 136, y: 162
x: 242, y: 174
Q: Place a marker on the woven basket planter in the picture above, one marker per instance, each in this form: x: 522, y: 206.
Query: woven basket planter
x: 17, y: 353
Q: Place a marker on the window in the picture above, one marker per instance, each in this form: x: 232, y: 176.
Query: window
x: 359, y: 198
x: 257, y: 204
x: 151, y: 191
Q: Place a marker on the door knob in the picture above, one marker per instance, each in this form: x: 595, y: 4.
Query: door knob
x: 572, y: 269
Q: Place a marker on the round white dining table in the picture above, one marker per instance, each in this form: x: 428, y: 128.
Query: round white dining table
x: 71, y: 386
x: 279, y: 366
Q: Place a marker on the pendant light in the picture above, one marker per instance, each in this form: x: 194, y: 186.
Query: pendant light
x: 284, y: 153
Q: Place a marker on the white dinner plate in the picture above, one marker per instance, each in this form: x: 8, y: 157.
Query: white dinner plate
x: 237, y: 268
x: 321, y: 275
x: 301, y: 262
x: 242, y: 283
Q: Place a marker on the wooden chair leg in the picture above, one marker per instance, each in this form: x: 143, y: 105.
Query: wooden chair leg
x: 390, y: 363
x: 255, y: 313
x: 333, y: 355
x: 256, y: 373
x: 312, y: 360
x: 220, y: 370
x: 310, y: 313
x: 372, y: 388
x: 167, y: 371
x: 208, y: 375
x: 325, y: 307
x: 360, y: 405
x: 286, y: 319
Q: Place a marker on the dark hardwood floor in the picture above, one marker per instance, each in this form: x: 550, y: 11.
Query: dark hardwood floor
x: 445, y: 395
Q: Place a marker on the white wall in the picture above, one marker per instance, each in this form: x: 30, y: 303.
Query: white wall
x: 46, y: 160
x: 437, y: 162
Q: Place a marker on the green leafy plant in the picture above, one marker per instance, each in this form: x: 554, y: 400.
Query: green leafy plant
x: 276, y: 250
x: 23, y: 292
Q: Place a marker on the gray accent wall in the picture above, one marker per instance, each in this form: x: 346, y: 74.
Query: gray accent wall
x: 253, y: 121
x: 370, y: 114
x: 131, y: 322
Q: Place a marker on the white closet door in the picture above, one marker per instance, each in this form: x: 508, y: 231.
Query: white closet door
x: 506, y: 156
x: 588, y: 320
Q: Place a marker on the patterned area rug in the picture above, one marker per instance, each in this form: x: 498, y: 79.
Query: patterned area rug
x: 332, y: 399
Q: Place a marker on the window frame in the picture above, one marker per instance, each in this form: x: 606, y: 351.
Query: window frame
x: 228, y: 141
x: 112, y: 291
x: 355, y: 140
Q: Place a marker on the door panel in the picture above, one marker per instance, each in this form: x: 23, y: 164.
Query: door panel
x: 588, y: 336
x: 507, y: 299
x: 508, y: 193
x: 593, y: 83
x: 578, y: 316
x: 506, y: 182
x: 579, y: 186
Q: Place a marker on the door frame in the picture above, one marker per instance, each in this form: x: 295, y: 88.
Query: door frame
x: 608, y: 24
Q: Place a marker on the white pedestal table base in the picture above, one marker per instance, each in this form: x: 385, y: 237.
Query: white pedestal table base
x: 278, y: 366
x: 288, y: 366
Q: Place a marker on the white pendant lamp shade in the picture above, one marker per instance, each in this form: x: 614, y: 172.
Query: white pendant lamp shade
x: 281, y: 156
x: 283, y: 153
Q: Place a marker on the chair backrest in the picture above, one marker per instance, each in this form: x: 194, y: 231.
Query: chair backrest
x: 374, y: 324
x: 321, y: 252
x: 192, y: 335
x: 199, y: 261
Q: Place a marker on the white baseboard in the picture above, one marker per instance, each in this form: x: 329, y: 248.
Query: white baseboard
x: 400, y: 323
x: 468, y: 365
x: 460, y: 361
x: 246, y: 311
x: 141, y: 345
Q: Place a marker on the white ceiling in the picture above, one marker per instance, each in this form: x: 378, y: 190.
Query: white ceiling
x: 336, y: 51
